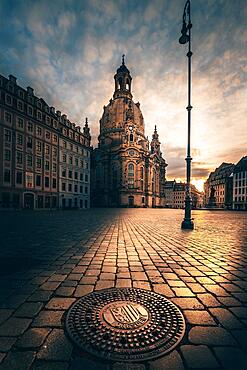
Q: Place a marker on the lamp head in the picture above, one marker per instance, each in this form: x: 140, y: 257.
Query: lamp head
x: 184, y: 38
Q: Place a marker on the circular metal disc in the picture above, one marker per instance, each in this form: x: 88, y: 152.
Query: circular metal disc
x: 125, y: 324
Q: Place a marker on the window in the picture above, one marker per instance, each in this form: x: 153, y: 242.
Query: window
x: 71, y: 160
x: 7, y: 155
x: 76, y: 188
x: 71, y: 147
x: 38, y: 162
x: 70, y: 187
x: 30, y: 111
x: 64, y: 144
x: 21, y: 94
x: 19, y: 157
x: 131, y: 175
x: 19, y: 105
x: 54, y: 183
x: 8, y: 117
x: 63, y: 173
x: 19, y: 139
x: 20, y: 123
x: 63, y: 186
x: 86, y: 165
x: 55, y: 138
x: 86, y: 203
x: 47, y: 182
x: 86, y: 189
x: 81, y: 189
x: 86, y: 178
x: 38, y: 146
x: 142, y: 173
x: 76, y: 175
x: 70, y: 174
x: 30, y: 127
x: 18, y: 177
x: 39, y: 115
x: 47, y: 135
x: 54, y: 152
x: 81, y: 176
x: 8, y: 99
x: 54, y: 167
x: 47, y: 149
x: 131, y: 137
x: 64, y: 158
x: 47, y: 165
x: 38, y: 180
x: 29, y: 180
x: 6, y: 177
x: 29, y: 160
x: 76, y: 161
x: 82, y: 163
x: 39, y: 131
x: 47, y: 120
x: 7, y: 135
x: 29, y: 143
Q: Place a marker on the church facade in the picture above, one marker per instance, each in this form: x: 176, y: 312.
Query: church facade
x: 127, y: 170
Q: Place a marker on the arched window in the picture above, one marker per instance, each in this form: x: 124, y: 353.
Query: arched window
x: 127, y: 85
x: 120, y: 83
x: 131, y: 137
x: 131, y: 175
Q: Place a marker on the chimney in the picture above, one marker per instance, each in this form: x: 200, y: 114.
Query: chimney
x: 30, y: 90
x: 12, y: 79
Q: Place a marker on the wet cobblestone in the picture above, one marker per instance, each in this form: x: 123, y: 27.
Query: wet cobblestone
x: 204, y: 272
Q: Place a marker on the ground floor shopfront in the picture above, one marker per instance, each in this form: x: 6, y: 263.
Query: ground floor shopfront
x: 21, y: 199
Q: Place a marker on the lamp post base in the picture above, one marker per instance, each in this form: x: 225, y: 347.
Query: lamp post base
x: 187, y: 224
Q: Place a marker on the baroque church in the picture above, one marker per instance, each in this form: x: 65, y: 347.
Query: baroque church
x: 127, y: 170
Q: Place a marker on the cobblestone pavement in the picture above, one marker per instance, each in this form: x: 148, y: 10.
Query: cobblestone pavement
x: 49, y: 259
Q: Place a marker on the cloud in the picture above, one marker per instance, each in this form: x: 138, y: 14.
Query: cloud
x: 69, y: 51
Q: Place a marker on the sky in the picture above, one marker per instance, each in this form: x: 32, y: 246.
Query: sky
x: 69, y: 50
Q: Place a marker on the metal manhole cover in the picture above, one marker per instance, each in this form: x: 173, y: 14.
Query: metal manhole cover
x: 125, y: 324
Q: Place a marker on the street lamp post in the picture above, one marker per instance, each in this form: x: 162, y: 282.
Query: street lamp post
x: 186, y: 37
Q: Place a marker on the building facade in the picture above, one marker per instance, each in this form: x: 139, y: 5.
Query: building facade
x: 175, y: 195
x: 239, y: 201
x: 127, y: 170
x: 31, y: 146
x: 218, y: 187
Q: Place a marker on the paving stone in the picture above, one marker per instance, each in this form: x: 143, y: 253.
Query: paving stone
x: 89, y: 280
x: 32, y: 338
x: 104, y: 284
x: 2, y: 355
x: 82, y: 290
x: 59, y: 303
x: 211, y: 336
x: 18, y: 360
x: 226, y: 318
x: 14, y: 326
x: 40, y: 296
x: 241, y: 336
x: 164, y: 289
x: 86, y: 363
x: 123, y: 283
x: 64, y: 291
x: 199, y: 357
x: 231, y: 358
x: 208, y: 300
x: 14, y: 301
x: 183, y: 292
x: 199, y: 317
x: 56, y: 347
x: 6, y: 343
x: 50, y: 285
x: 5, y: 314
x: 50, y: 365
x: 170, y: 361
x: 142, y: 285
x: 28, y: 309
x: 48, y: 318
x: 188, y: 303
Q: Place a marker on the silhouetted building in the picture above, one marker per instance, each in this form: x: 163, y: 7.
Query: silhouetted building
x: 240, y: 185
x: 126, y: 172
x: 44, y: 158
x: 218, y: 187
